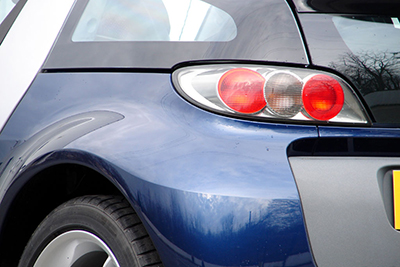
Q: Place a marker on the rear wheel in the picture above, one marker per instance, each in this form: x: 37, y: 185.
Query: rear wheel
x: 91, y: 231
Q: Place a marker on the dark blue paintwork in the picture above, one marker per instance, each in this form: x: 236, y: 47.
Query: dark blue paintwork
x: 210, y: 189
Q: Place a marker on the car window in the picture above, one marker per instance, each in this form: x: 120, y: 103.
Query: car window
x: 365, y: 34
x: 154, y: 20
x: 9, y: 10
x: 373, y: 63
x: 5, y: 8
x: 163, y: 33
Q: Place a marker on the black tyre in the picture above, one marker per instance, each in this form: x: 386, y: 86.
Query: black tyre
x: 91, y: 231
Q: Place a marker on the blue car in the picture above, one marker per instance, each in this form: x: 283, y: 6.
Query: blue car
x: 199, y: 133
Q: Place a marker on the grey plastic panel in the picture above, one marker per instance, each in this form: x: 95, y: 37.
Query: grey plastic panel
x: 343, y: 202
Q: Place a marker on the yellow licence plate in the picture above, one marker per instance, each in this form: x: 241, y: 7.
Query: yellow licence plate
x: 396, y: 199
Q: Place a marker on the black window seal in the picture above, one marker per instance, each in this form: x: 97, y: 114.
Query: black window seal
x: 370, y: 7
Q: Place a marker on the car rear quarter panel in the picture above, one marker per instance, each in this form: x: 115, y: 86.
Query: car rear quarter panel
x: 212, y: 190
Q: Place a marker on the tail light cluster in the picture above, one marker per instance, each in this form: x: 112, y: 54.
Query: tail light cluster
x: 270, y: 92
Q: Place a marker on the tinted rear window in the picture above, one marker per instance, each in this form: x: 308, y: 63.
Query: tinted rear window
x: 369, y: 34
x: 366, y: 49
x: 374, y: 61
x: 153, y: 20
x: 163, y: 33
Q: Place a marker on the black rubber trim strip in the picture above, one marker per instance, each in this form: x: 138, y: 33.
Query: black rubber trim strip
x: 346, y: 146
x: 375, y: 7
x: 104, y: 70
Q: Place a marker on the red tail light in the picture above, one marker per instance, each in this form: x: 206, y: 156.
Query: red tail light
x: 242, y: 90
x: 270, y: 93
x: 323, y: 97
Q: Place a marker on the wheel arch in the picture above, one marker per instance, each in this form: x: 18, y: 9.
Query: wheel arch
x: 45, y: 184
